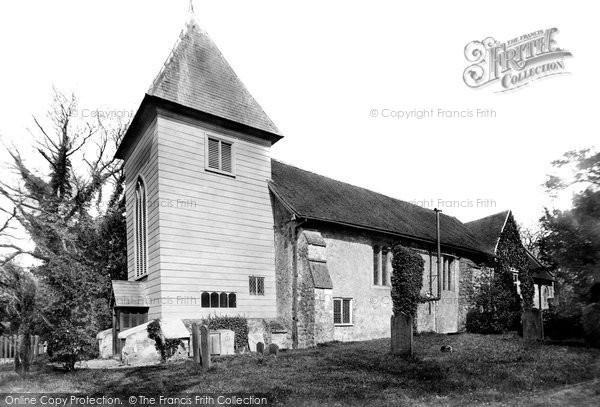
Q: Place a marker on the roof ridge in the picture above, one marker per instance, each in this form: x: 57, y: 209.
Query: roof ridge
x: 488, y: 216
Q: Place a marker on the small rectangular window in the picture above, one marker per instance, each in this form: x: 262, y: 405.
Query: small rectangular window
x: 444, y: 273
x: 219, y: 155
x: 218, y: 300
x: 342, y: 311
x: 384, y: 266
x: 450, y: 276
x: 376, y: 263
x: 256, y: 285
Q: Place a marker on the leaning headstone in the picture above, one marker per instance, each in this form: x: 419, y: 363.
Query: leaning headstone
x: 260, y: 348
x: 532, y: 325
x: 590, y: 318
x: 274, y: 349
x: 402, y: 335
x: 204, y: 346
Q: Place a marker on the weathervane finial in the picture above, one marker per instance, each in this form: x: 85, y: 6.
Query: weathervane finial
x: 192, y: 19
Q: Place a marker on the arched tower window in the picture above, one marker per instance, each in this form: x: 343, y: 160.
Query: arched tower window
x: 141, y: 267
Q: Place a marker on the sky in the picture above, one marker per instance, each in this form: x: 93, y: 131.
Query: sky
x: 322, y: 71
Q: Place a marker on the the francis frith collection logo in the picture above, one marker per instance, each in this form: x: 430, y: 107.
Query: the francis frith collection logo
x: 514, y: 63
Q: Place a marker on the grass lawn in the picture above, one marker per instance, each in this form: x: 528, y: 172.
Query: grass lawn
x: 496, y: 369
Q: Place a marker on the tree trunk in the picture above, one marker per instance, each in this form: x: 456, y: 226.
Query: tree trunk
x: 23, y: 354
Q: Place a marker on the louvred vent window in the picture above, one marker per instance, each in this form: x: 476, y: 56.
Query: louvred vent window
x: 220, y: 155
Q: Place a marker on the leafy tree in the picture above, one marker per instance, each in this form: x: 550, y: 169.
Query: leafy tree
x: 19, y: 305
x: 570, y: 241
x: 584, y: 166
x: 571, y: 238
x: 571, y: 244
x: 78, y: 253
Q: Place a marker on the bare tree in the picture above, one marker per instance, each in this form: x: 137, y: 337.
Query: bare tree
x: 46, y: 207
x: 531, y: 238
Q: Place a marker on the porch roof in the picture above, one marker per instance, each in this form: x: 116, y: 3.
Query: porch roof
x: 129, y: 294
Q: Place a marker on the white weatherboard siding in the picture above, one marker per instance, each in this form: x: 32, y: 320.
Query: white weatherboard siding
x: 215, y: 230
x: 143, y: 161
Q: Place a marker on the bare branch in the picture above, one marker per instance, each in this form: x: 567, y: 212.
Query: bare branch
x: 6, y: 226
x: 46, y: 136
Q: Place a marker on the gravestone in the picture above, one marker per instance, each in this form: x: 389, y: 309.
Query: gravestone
x: 402, y: 335
x: 253, y: 339
x: 204, y: 346
x: 105, y: 343
x: 196, y: 343
x: 532, y: 325
x: 260, y: 348
x: 274, y: 349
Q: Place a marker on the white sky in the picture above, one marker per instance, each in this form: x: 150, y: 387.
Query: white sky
x: 317, y: 69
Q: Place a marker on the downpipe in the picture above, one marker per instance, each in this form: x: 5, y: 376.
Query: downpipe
x: 439, y: 261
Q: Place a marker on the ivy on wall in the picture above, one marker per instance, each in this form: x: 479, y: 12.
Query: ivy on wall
x: 166, y: 347
x: 407, y: 280
x: 510, y: 255
x: 239, y: 325
x: 497, y: 305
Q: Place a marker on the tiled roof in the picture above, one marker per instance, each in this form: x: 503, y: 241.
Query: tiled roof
x: 489, y: 229
x: 197, y: 76
x: 317, y: 197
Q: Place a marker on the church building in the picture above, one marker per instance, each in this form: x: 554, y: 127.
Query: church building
x: 216, y: 226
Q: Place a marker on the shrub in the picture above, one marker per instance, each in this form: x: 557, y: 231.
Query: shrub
x: 166, y: 347
x: 562, y: 325
x: 239, y: 325
x: 497, y: 305
x: 407, y: 280
x: 73, y: 307
x: 484, y: 322
x: 69, y: 344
